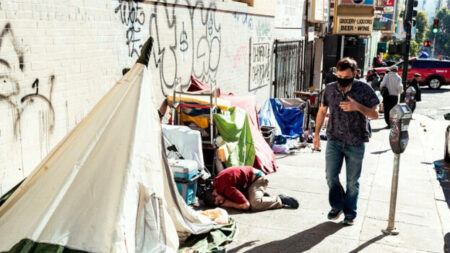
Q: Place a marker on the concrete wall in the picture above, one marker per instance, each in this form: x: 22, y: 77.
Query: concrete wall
x: 58, y: 58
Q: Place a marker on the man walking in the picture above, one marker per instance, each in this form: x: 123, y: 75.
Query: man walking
x: 350, y: 102
x: 393, y: 82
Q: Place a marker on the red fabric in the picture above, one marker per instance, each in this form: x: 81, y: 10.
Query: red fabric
x: 265, y: 158
x: 196, y: 85
x: 232, y: 181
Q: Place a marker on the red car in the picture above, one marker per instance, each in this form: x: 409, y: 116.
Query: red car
x: 434, y: 72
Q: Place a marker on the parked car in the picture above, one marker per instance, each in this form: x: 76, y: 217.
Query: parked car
x: 447, y: 145
x: 434, y: 72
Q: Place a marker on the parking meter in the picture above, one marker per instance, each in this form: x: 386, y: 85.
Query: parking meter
x: 400, y: 116
x: 410, y: 96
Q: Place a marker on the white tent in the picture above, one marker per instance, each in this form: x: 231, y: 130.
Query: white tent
x: 107, y: 186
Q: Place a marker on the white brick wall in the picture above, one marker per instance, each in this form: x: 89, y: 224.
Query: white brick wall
x: 76, y: 49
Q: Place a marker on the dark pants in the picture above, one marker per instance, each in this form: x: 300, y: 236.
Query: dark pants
x: 335, y: 155
x: 389, y: 102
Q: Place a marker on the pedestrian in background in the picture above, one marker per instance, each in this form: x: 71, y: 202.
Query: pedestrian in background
x: 378, y: 61
x: 331, y: 76
x: 358, y: 74
x: 350, y: 102
x: 415, y: 83
x: 394, y: 87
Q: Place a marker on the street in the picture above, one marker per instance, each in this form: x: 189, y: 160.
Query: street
x: 435, y: 103
x: 422, y: 215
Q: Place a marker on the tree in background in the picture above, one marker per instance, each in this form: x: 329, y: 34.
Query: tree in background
x: 442, y: 46
x: 414, y: 48
x: 421, y: 27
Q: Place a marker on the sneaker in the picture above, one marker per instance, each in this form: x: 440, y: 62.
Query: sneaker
x: 349, y: 220
x: 334, y: 214
x: 288, y: 202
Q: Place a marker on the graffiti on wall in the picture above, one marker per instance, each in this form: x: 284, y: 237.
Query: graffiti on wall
x: 187, y: 39
x: 244, y: 19
x: 133, y: 17
x: 12, y: 64
x: 187, y: 42
x: 259, y: 65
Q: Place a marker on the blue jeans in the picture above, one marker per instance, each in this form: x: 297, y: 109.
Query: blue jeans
x: 335, y: 154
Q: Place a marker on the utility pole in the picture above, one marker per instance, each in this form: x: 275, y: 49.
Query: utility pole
x: 407, y: 22
x: 434, y: 46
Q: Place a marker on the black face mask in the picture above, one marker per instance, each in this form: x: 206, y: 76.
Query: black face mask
x: 344, y: 82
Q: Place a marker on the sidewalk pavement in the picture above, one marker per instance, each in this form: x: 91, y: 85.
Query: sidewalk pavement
x: 422, y: 216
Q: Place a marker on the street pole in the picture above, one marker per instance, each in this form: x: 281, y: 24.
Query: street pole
x: 391, y: 230
x: 434, y: 44
x: 407, y: 22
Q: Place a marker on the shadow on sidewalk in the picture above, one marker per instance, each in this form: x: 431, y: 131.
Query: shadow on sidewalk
x: 447, y: 243
x: 376, y: 130
x: 302, y: 241
x: 380, y: 152
x: 366, y: 244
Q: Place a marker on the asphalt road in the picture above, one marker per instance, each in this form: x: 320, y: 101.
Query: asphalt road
x: 435, y: 103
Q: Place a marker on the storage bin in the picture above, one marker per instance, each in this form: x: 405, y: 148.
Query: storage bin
x: 186, y: 175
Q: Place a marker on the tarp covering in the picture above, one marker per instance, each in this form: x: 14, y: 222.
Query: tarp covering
x: 264, y: 157
x: 197, y: 85
x: 107, y: 186
x: 267, y: 117
x: 234, y: 127
x: 288, y: 120
x: 215, y: 241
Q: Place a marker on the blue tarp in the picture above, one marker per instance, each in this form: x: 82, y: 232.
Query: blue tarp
x: 289, y: 120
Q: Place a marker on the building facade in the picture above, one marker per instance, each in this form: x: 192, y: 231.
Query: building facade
x: 59, y: 58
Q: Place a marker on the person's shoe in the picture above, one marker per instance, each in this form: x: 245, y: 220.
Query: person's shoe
x: 334, y: 214
x: 348, y: 221
x: 288, y: 202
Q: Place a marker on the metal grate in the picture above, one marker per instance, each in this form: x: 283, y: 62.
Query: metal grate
x: 289, y: 68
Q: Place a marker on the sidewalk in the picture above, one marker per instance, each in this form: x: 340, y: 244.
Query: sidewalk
x: 422, y: 216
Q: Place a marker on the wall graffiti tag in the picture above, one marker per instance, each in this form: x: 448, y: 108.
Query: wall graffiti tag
x: 133, y: 17
x: 10, y: 88
x: 259, y: 65
x: 191, y: 33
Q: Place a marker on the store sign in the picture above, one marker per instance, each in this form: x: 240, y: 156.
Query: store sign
x: 384, y: 23
x: 354, y: 25
x: 319, y: 12
x: 356, y: 2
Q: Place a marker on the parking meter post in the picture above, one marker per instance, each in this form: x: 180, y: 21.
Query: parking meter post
x: 391, y: 230
x: 400, y: 116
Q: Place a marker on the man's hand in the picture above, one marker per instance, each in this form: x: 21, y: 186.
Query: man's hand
x: 316, y: 142
x: 350, y: 106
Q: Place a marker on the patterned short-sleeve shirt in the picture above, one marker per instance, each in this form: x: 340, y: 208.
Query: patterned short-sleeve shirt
x: 348, y: 127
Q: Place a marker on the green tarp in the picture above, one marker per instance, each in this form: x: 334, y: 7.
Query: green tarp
x: 214, y: 241
x: 234, y: 127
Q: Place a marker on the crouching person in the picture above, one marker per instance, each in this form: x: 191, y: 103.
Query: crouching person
x: 230, y: 185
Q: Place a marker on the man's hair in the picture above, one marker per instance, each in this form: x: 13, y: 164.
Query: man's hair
x: 346, y: 63
x: 209, y: 198
x: 393, y: 68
